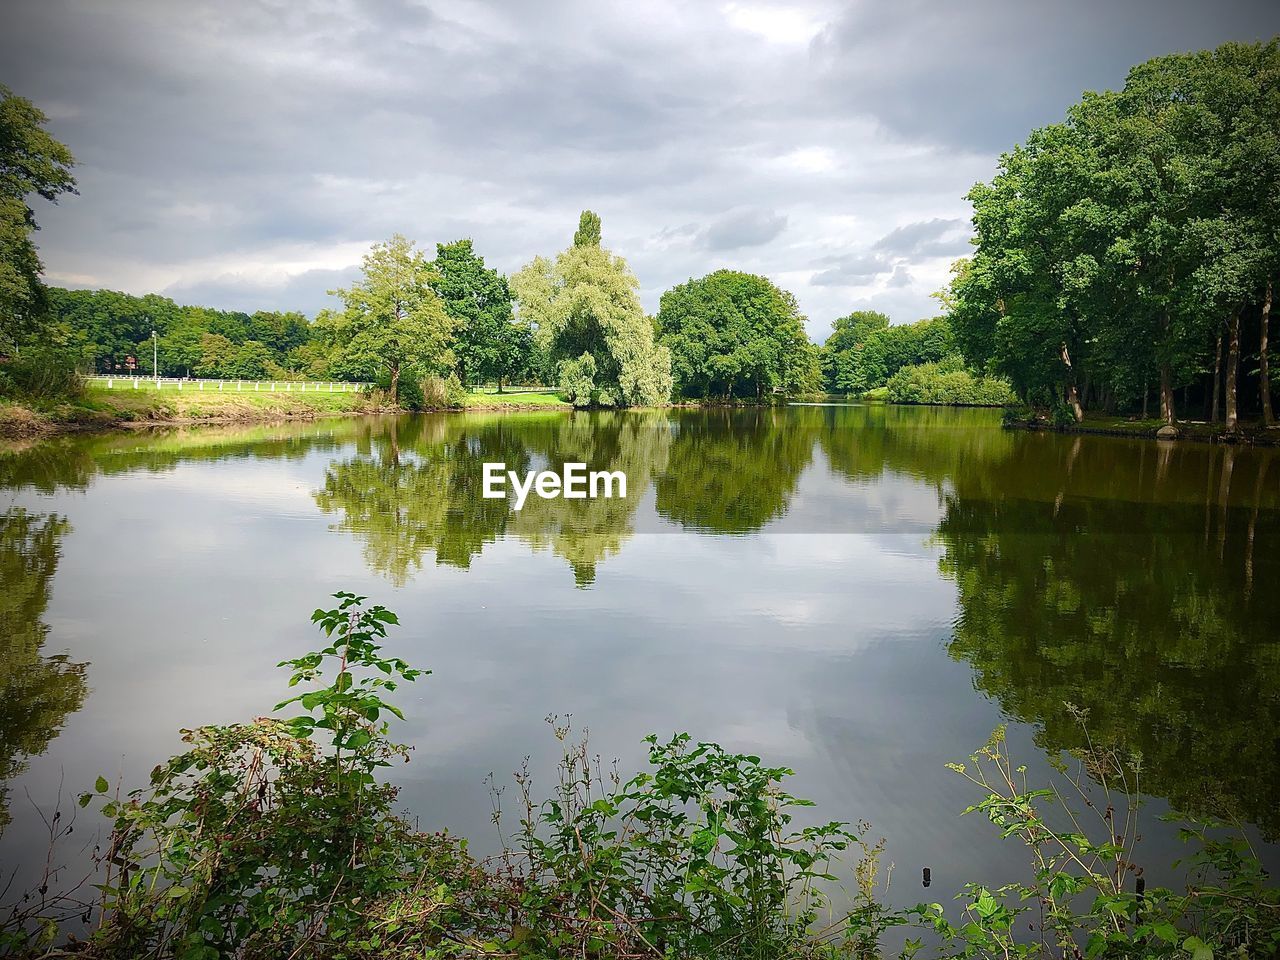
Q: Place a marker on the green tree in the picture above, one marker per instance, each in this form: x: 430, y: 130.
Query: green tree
x: 391, y: 317
x: 734, y: 334
x: 584, y: 304
x: 864, y: 350
x: 31, y: 162
x: 1124, y: 248
x: 488, y: 343
x: 588, y: 232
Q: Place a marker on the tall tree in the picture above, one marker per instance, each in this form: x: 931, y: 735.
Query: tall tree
x: 734, y: 334
x: 391, y: 317
x: 584, y: 309
x: 31, y: 162
x: 488, y: 343
x: 588, y: 232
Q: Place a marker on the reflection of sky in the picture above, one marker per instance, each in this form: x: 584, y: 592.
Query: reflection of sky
x: 184, y: 587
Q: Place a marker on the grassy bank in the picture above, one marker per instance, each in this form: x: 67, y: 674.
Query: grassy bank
x: 99, y: 409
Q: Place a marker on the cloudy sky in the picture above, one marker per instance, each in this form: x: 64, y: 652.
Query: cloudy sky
x: 244, y: 153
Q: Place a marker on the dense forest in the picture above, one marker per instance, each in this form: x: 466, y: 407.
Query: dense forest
x: 1128, y: 255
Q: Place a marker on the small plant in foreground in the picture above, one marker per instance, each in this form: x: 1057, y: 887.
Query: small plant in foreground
x: 276, y: 838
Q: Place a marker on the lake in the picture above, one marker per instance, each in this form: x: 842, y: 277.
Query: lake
x: 859, y: 592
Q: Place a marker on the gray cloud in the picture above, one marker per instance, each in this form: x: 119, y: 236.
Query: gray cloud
x: 248, y: 152
x: 853, y: 271
x: 927, y: 238
x: 743, y: 228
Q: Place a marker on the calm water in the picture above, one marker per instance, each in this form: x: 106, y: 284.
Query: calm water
x: 861, y: 592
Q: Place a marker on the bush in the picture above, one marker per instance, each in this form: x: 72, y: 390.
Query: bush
x: 443, y: 393
x: 947, y: 383
x: 42, y: 376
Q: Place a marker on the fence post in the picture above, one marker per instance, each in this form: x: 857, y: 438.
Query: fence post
x: 135, y: 383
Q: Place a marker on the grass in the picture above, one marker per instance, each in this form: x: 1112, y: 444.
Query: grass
x: 131, y: 404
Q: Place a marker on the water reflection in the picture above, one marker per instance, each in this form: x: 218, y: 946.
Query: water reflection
x: 1132, y: 579
x: 37, y: 691
x: 1098, y: 580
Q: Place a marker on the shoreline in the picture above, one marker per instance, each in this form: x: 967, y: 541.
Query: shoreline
x: 1251, y: 434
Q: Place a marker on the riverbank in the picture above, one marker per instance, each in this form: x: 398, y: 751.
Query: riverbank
x: 99, y: 410
x: 1199, y: 431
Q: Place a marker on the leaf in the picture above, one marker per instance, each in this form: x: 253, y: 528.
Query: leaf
x: 101, y: 785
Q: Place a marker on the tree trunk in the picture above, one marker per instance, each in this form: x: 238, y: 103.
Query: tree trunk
x: 499, y: 383
x: 395, y: 383
x: 1166, y: 394
x: 1073, y: 395
x: 1231, y: 383
x: 1145, y: 393
x: 1268, y: 417
x: 1217, y: 380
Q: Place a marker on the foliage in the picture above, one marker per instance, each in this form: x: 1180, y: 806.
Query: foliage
x: 41, y: 375
x: 391, y: 318
x: 261, y: 838
x: 442, y: 393
x: 31, y: 162
x: 735, y: 334
x: 1118, y: 251
x: 948, y: 382
x: 588, y: 232
x: 488, y: 344
x: 696, y: 856
x: 103, y: 328
x: 864, y: 350
x: 585, y: 303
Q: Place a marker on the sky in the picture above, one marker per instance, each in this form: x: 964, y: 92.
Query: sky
x: 245, y: 154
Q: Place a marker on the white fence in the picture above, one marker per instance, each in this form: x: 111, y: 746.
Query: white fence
x: 241, y: 386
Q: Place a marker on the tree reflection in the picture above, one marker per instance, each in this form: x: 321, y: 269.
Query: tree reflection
x: 416, y: 487
x: 585, y: 532
x: 732, y: 471
x: 1121, y: 580
x: 37, y: 692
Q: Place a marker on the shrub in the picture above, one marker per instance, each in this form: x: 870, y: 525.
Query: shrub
x: 947, y: 382
x: 42, y: 376
x: 443, y: 393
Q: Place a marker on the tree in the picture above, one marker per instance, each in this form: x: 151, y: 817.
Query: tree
x: 392, y: 318
x: 588, y: 232
x: 1127, y: 246
x: 864, y: 350
x: 31, y: 162
x: 488, y: 343
x: 584, y: 304
x: 733, y: 333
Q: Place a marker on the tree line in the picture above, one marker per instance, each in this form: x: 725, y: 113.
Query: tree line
x: 1127, y: 256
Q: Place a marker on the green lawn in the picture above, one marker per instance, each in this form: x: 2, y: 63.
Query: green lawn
x: 481, y: 399
x: 189, y: 404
